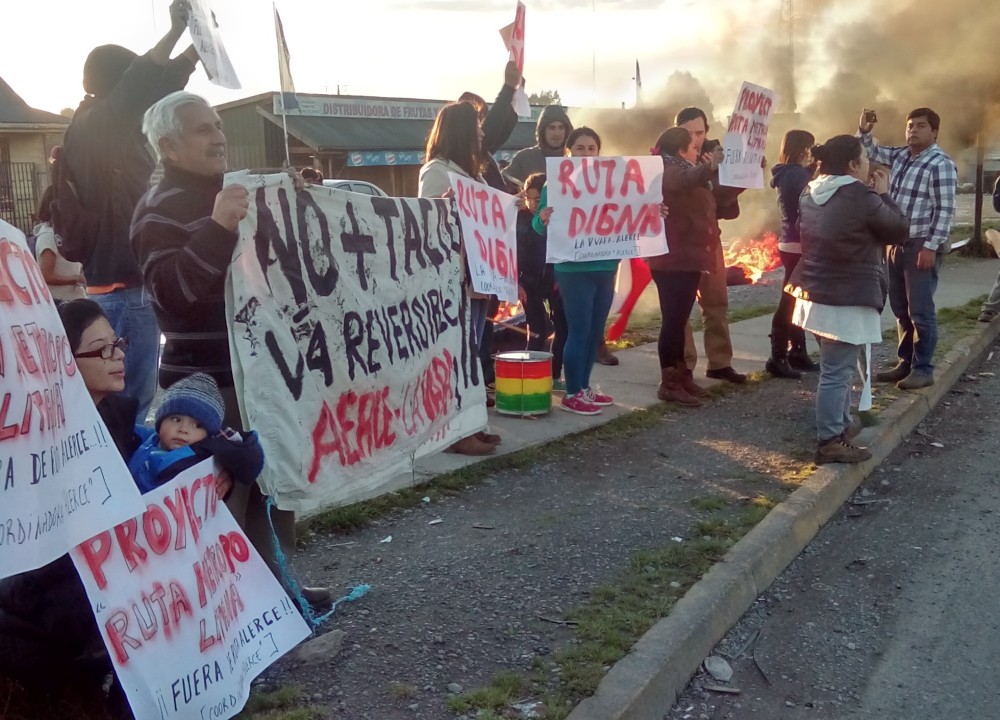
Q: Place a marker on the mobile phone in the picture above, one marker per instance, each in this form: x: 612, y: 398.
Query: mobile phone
x: 709, y: 146
x: 870, y: 116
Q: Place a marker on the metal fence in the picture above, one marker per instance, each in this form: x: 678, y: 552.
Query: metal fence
x: 18, y: 194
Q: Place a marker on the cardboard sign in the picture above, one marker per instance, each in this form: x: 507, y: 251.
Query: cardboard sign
x: 351, y: 338
x: 489, y: 232
x: 746, y: 138
x: 604, y: 208
x: 513, y: 40
x: 207, y: 41
x: 189, y: 611
x: 61, y: 477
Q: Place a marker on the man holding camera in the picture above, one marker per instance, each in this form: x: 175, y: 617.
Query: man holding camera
x: 922, y: 181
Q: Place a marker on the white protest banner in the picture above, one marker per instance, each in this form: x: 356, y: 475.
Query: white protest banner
x: 61, y: 477
x: 604, y: 208
x: 489, y: 231
x: 746, y: 138
x: 513, y: 40
x: 189, y: 611
x: 350, y: 335
x: 207, y: 41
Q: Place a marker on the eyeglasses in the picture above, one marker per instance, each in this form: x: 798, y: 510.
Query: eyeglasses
x: 105, y: 352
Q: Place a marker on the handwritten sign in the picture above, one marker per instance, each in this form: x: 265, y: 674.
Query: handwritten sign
x: 746, y: 138
x: 513, y: 40
x: 604, y: 208
x: 489, y: 231
x: 352, y: 346
x: 188, y: 610
x: 207, y: 41
x: 61, y: 477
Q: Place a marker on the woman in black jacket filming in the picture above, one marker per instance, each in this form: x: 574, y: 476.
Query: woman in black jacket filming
x: 840, y: 283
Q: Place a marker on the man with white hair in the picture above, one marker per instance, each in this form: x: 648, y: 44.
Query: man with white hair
x: 183, y: 234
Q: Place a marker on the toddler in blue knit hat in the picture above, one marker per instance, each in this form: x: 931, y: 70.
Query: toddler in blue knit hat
x: 189, y: 429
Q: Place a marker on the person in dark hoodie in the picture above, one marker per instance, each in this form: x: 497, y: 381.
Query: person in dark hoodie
x: 537, y: 282
x: 790, y: 177
x: 551, y: 132
x: 106, y: 156
x: 840, y: 283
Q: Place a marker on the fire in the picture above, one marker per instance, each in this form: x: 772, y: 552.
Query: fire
x: 508, y: 312
x: 754, y: 256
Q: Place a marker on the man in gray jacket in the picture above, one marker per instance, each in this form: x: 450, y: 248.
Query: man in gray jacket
x: 551, y: 132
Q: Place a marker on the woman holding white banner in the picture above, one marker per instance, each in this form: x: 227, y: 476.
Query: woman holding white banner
x: 587, y: 289
x: 47, y: 629
x: 692, y: 235
x: 455, y: 145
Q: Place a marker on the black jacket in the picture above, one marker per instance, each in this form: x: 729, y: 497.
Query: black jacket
x: 498, y: 124
x: 184, y: 255
x: 789, y: 180
x: 109, y: 161
x: 843, y: 247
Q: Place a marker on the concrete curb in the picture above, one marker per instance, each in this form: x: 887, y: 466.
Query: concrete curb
x: 644, y: 684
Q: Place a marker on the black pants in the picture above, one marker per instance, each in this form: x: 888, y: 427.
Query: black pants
x: 783, y: 331
x: 541, y: 318
x: 677, y: 291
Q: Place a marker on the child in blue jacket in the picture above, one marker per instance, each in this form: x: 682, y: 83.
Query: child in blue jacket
x: 188, y: 429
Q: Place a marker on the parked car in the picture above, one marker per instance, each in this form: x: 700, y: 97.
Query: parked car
x: 356, y: 186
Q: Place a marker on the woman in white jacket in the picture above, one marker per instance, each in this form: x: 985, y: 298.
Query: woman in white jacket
x: 455, y: 145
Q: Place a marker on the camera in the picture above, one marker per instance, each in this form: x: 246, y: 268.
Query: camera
x: 709, y: 146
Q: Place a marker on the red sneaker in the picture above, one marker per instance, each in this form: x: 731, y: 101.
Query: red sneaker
x: 596, y: 397
x: 579, y: 404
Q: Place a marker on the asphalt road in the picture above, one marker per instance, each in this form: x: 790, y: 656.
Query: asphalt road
x: 891, y: 612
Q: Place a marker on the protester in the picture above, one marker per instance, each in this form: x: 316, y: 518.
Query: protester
x: 587, y: 289
x: 47, y: 629
x: 713, y: 292
x: 455, y: 145
x: 106, y: 157
x: 840, y: 281
x: 497, y: 123
x: 923, y: 180
x: 536, y: 280
x: 991, y: 308
x: 790, y: 177
x: 184, y: 232
x: 64, y: 278
x: 692, y: 236
x: 312, y: 175
x: 551, y: 132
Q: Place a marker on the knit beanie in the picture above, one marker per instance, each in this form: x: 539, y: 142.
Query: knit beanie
x: 196, y: 396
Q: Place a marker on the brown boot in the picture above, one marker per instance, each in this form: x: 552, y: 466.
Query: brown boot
x: 672, y: 388
x: 471, y: 446
x: 605, y: 356
x: 687, y: 381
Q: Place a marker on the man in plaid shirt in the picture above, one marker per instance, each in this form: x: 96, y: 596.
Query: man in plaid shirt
x: 922, y: 181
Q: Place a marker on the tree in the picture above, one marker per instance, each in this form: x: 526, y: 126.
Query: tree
x: 545, y: 97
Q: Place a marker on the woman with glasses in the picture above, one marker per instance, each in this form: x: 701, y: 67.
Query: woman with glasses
x: 47, y: 630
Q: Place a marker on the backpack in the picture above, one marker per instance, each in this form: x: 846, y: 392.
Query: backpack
x: 76, y: 227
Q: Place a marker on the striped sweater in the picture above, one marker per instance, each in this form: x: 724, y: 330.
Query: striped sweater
x: 184, y: 255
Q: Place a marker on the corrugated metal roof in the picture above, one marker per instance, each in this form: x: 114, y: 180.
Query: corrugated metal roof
x: 328, y: 134
x: 14, y: 111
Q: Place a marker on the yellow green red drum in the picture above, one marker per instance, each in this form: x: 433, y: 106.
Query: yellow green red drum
x: 524, y: 382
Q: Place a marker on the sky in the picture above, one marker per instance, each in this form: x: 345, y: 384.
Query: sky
x: 405, y: 48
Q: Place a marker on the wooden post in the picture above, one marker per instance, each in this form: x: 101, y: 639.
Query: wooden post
x: 977, y: 231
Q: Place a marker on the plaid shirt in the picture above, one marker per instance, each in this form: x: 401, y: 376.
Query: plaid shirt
x: 923, y: 187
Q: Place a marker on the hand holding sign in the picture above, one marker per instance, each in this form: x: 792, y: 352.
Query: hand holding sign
x: 179, y: 10
x: 513, y: 40
x: 746, y: 138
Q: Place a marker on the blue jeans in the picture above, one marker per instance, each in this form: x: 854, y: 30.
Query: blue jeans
x: 911, y: 297
x: 587, y: 298
x: 131, y: 315
x: 837, y: 361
